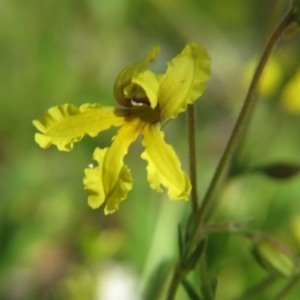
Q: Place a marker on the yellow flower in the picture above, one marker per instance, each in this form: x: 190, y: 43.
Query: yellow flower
x: 146, y: 99
x: 270, y: 79
x: 290, y: 94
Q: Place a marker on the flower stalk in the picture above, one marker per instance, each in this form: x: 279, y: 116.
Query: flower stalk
x: 193, y: 158
x: 199, y: 217
x: 242, y: 118
x: 286, y: 290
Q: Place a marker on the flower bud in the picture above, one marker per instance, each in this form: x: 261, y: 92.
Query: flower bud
x: 273, y: 256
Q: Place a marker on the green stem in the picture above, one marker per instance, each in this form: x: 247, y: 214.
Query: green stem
x: 192, y: 154
x: 258, y: 288
x: 237, y: 130
x: 175, y: 281
x: 243, y: 116
x: 294, y: 281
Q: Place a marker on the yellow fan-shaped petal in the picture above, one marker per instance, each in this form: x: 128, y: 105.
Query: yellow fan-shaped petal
x: 93, y: 183
x: 66, y: 124
x: 184, y: 80
x: 125, y: 77
x: 163, y: 165
x: 111, y: 180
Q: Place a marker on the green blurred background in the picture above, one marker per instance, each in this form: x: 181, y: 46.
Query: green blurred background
x: 52, y: 245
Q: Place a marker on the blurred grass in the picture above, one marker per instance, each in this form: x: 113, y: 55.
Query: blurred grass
x: 52, y: 245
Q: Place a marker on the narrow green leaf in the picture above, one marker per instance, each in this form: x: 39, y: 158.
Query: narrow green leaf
x: 279, y: 171
x: 193, y: 295
x: 214, y: 284
x: 180, y: 241
x: 189, y: 227
x: 193, y: 259
x: 158, y: 280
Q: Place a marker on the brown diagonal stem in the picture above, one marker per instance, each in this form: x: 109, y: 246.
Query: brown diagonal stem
x: 192, y: 156
x: 199, y: 217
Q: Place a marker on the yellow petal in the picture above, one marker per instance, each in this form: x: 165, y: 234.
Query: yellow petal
x: 125, y: 77
x: 66, y: 124
x: 93, y: 183
x: 111, y: 180
x: 163, y: 165
x: 184, y: 80
x: 150, y: 83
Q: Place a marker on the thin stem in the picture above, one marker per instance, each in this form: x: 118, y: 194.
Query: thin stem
x: 243, y: 116
x: 258, y: 288
x: 237, y: 130
x: 192, y: 154
x: 288, y: 288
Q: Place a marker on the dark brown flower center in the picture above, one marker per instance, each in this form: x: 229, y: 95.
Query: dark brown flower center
x: 139, y: 101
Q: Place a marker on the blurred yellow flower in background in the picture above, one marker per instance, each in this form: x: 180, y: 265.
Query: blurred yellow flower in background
x: 146, y: 99
x: 270, y: 79
x: 290, y: 98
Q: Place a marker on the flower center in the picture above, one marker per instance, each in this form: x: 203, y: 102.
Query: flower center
x: 139, y: 97
x: 139, y: 101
